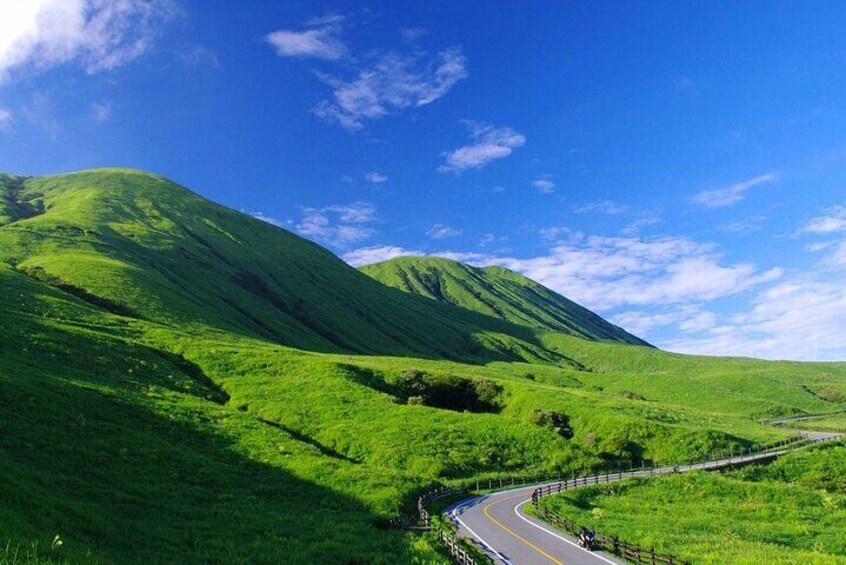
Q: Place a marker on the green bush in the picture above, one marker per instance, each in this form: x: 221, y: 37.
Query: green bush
x: 554, y: 420
x: 448, y: 391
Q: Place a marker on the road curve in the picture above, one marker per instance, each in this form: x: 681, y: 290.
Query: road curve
x: 498, y: 525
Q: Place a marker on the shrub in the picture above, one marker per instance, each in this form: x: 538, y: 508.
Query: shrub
x: 553, y: 420
x: 448, y: 391
x: 833, y: 395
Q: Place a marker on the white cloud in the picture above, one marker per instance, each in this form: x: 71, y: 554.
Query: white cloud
x: 340, y: 225
x: 797, y: 319
x: 832, y: 221
x: 442, y: 231
x: 489, y: 239
x: 5, y: 119
x: 265, y: 218
x: 101, y: 111
x: 195, y: 55
x: 555, y: 232
x: 375, y: 177
x: 355, y: 213
x: 733, y: 194
x: 489, y: 144
x: 98, y: 34
x: 685, y: 318
x: 322, y: 41
x: 635, y: 227
x: 544, y: 184
x: 603, y: 207
x: 410, y: 35
x: 743, y: 226
x: 605, y: 272
x: 376, y: 254
x: 392, y: 82
x: 837, y: 257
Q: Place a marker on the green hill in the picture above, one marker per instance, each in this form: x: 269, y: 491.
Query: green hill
x: 180, y: 382
x: 138, y: 244
x: 498, y: 292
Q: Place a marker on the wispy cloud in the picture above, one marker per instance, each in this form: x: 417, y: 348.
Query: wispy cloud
x: 268, y: 219
x: 686, y: 319
x: 832, y: 224
x: 98, y: 35
x: 544, y: 184
x: 375, y: 177
x: 320, y: 40
x: 101, y: 111
x: 636, y: 226
x: 747, y: 225
x: 801, y: 318
x: 340, y: 225
x: 196, y: 56
x: 5, y: 120
x: 442, y: 231
x: 390, y: 83
x: 603, y: 207
x: 832, y: 221
x: 377, y: 254
x: 729, y: 195
x: 412, y: 34
x: 489, y: 143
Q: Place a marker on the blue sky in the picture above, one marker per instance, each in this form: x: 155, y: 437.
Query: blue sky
x: 677, y: 167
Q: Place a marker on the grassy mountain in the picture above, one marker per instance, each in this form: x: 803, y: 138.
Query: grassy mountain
x: 182, y: 383
x: 143, y: 246
x: 498, y: 292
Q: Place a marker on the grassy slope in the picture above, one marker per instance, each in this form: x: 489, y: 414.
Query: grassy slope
x: 95, y: 408
x: 163, y: 252
x: 790, y: 511
x: 497, y: 292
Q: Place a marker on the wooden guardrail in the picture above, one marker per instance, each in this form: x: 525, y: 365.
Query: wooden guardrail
x: 453, y: 546
x: 624, y: 549
x: 446, y: 537
x: 777, y: 422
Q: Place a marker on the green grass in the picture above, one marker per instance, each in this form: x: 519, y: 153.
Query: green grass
x: 834, y: 423
x: 496, y: 292
x: 181, y: 382
x: 789, y: 511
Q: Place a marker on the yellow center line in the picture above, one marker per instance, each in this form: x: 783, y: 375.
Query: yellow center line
x: 515, y: 534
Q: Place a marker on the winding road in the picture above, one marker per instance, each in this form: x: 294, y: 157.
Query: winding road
x: 498, y: 524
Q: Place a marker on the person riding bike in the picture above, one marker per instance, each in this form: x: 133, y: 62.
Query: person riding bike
x: 586, y: 538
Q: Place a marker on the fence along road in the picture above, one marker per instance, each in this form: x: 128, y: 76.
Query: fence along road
x: 498, y: 525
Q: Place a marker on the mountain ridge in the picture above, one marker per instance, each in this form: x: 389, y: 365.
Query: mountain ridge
x: 145, y: 244
x: 496, y: 291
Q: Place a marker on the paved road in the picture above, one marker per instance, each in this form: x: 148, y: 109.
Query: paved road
x: 498, y: 525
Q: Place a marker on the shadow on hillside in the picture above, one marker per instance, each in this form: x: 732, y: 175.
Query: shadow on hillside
x: 255, y: 302
x: 82, y: 457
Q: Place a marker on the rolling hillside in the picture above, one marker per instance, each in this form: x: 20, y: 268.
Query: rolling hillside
x: 497, y: 292
x: 137, y: 244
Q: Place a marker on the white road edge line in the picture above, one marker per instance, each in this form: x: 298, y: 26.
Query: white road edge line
x: 562, y: 538
x: 474, y: 534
